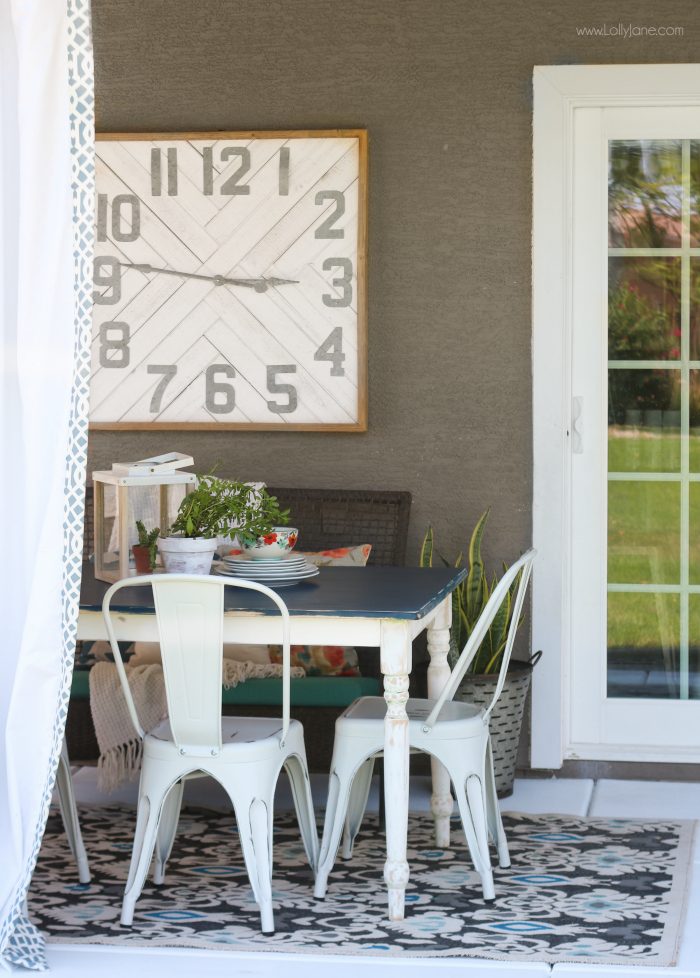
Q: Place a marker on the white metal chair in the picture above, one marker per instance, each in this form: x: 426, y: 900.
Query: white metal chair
x: 69, y: 814
x: 455, y: 733
x: 245, y: 754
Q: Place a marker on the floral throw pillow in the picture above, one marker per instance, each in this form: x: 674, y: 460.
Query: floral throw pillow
x: 328, y: 660
x: 339, y: 557
x: 321, y: 660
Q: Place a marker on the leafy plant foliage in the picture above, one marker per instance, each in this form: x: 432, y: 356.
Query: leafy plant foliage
x: 148, y: 539
x: 219, y: 507
x: 469, y: 599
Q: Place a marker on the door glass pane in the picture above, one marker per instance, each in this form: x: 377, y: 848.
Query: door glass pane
x: 644, y: 321
x: 654, y: 419
x: 694, y: 648
x: 695, y: 308
x: 643, y: 645
x: 644, y: 193
x: 644, y: 533
x: 694, y: 535
x: 644, y: 420
x: 694, y: 193
x: 694, y: 420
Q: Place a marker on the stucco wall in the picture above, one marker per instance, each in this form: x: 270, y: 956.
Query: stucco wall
x: 444, y: 88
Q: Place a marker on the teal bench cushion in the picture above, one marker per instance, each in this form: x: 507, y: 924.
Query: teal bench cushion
x: 313, y: 691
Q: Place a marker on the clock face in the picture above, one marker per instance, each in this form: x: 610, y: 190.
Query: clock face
x: 229, y: 281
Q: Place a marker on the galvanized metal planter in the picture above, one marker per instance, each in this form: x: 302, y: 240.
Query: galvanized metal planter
x: 507, y: 715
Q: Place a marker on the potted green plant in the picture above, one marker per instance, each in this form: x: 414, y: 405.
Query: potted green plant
x: 479, y: 684
x: 216, y: 508
x: 146, y: 550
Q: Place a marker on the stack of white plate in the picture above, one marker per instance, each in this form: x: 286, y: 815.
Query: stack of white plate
x: 283, y: 572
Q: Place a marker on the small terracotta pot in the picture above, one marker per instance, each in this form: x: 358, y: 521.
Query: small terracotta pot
x: 142, y: 559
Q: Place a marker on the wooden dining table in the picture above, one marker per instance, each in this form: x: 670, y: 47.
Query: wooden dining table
x: 381, y: 607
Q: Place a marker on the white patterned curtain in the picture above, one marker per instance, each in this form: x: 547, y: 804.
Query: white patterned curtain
x: 46, y: 229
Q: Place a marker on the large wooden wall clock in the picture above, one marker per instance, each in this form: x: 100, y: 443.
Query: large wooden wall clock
x: 230, y: 281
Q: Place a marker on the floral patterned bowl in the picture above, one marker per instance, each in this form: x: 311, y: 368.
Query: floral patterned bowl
x: 278, y: 543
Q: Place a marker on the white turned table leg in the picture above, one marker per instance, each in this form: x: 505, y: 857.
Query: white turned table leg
x: 396, y: 664
x: 438, y: 673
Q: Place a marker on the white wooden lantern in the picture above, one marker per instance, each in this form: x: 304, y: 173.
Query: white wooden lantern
x: 149, y: 490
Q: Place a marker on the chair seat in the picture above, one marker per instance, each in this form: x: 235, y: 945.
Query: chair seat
x: 242, y: 738
x: 365, y: 717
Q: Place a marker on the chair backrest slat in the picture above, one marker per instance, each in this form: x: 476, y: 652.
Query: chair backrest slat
x: 189, y: 610
x: 190, y: 627
x: 523, y: 568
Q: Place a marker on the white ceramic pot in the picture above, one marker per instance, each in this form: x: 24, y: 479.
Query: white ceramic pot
x: 187, y: 555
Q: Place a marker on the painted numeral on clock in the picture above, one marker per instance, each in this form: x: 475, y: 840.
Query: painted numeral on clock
x: 326, y: 228
x: 343, y: 282
x: 106, y: 275
x: 287, y: 389
x: 332, y: 350
x: 220, y: 397
x: 120, y: 202
x: 168, y: 371
x: 283, y: 184
x: 208, y: 170
x: 157, y: 171
x: 114, y: 345
x: 232, y: 186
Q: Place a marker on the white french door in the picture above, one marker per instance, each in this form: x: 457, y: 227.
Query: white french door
x: 633, y: 683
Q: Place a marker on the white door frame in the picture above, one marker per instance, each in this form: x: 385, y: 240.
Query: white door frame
x: 559, y: 91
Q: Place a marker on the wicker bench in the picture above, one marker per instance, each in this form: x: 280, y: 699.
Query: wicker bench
x: 326, y: 519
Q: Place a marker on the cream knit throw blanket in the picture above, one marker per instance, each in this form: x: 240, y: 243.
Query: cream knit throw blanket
x: 120, y: 746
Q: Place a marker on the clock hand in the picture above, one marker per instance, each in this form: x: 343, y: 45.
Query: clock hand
x: 259, y: 284
x: 262, y: 284
x: 140, y: 267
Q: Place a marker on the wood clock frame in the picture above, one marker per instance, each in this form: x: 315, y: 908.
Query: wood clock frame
x: 226, y: 170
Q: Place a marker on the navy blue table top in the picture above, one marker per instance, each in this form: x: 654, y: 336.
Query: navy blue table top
x: 361, y: 592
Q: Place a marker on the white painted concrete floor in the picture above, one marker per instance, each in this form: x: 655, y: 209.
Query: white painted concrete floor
x: 624, y: 799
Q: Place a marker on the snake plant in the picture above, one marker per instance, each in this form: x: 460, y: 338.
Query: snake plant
x: 469, y: 599
x: 149, y: 541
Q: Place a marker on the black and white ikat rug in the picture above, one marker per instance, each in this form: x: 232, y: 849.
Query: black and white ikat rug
x: 606, y: 891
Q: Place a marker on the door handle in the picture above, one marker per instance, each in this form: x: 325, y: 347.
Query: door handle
x: 577, y: 426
